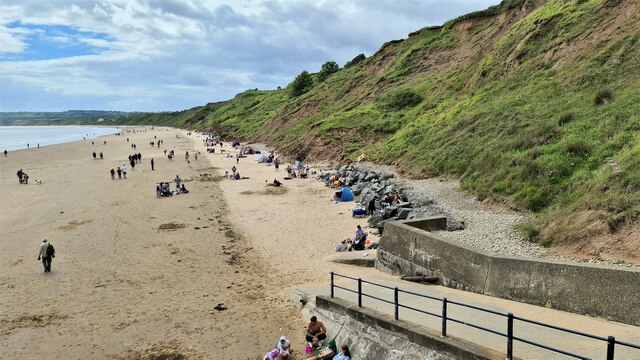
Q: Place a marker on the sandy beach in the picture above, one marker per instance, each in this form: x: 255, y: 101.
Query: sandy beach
x: 135, y: 275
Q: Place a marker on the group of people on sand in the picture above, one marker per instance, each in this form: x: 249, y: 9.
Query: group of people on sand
x: 23, y: 178
x: 163, y: 189
x: 297, y: 170
x: 355, y: 243
x: 95, y: 155
x: 121, y: 171
x: 316, y: 335
x: 234, y: 174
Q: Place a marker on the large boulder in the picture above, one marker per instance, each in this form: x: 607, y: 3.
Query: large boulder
x: 454, y: 225
x: 406, y: 204
x: 371, y: 176
x: 403, y: 213
x: 389, y: 212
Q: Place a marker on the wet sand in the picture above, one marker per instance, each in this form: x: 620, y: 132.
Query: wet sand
x: 136, y: 276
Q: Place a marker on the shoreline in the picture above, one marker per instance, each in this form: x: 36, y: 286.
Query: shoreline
x: 58, y: 143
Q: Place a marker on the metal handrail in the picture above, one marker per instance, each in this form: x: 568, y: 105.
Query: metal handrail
x: 610, y: 340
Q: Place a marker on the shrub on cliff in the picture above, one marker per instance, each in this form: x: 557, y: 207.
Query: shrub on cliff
x: 400, y: 99
x: 301, y: 84
x: 327, y: 69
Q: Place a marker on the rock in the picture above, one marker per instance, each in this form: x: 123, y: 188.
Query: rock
x: 418, y: 215
x: 454, y: 225
x: 403, y: 213
x: 375, y: 220
x: 404, y: 205
x: 371, y: 176
x: 389, y: 212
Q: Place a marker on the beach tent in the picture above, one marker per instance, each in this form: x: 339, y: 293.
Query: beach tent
x: 261, y: 157
x: 347, y: 195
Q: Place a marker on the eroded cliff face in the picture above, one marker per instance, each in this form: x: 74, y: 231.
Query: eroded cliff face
x: 523, y: 103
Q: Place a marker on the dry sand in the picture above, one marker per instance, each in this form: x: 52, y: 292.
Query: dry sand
x: 121, y: 287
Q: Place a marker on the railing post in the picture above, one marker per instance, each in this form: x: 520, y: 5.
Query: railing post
x: 444, y: 317
x: 332, y: 284
x: 611, y: 346
x: 359, y: 292
x: 395, y: 302
x: 509, y: 336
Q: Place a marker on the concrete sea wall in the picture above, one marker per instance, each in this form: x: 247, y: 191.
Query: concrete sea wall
x: 408, y: 248
x: 375, y: 336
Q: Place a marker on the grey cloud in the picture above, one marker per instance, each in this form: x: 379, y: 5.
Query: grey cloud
x: 213, y: 50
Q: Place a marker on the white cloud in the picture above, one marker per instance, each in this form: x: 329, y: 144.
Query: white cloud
x: 175, y: 54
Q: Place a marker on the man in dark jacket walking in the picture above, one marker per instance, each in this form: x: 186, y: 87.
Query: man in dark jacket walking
x: 46, y: 253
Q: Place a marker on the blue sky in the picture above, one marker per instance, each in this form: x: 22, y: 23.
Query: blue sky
x: 158, y: 55
x: 52, y: 42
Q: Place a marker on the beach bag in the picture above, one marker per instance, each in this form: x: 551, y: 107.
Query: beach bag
x: 333, y: 346
x: 51, y: 251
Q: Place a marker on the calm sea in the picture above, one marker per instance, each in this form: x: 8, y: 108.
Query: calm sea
x: 17, y: 137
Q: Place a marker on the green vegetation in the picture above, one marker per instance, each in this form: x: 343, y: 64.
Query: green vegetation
x: 522, y: 104
x: 328, y: 68
x: 301, y: 84
x: 70, y: 117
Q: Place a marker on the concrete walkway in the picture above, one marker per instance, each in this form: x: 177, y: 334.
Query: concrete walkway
x: 591, y: 348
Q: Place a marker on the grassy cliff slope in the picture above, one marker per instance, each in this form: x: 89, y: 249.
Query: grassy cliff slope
x: 523, y: 102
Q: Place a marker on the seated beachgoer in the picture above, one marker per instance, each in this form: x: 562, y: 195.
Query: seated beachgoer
x: 284, y: 345
x: 183, y: 190
x: 316, y: 332
x: 359, y: 242
x: 276, y: 183
x: 272, y: 355
x: 344, y: 353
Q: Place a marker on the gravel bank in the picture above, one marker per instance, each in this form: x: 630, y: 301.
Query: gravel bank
x: 486, y: 226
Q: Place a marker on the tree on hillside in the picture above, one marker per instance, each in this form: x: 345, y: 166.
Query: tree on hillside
x: 301, y: 84
x: 327, y: 69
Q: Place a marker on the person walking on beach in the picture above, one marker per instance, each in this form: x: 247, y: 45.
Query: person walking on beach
x: 94, y: 155
x: 124, y: 171
x: 27, y: 145
x: 132, y: 163
x: 19, y: 174
x: 5, y: 153
x: 152, y: 164
x: 46, y: 253
x: 113, y: 174
x: 177, y: 180
x: 101, y: 156
x: 119, y: 173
